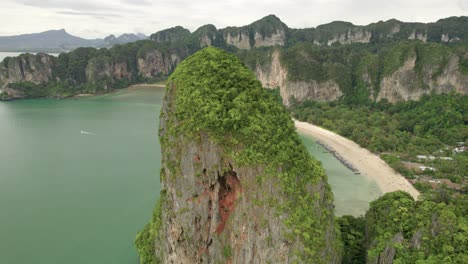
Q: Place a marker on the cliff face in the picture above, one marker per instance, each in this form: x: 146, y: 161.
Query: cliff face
x: 275, y: 75
x: 404, y: 84
x: 25, y: 68
x: 408, y: 82
x: 229, y: 198
x: 98, y: 70
x: 352, y: 35
x: 83, y: 70
x: 239, y: 39
x: 155, y: 63
x: 277, y: 38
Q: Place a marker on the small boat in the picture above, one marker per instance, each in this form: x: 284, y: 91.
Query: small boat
x: 86, y: 133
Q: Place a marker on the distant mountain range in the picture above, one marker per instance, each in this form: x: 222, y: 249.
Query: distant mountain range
x: 55, y: 41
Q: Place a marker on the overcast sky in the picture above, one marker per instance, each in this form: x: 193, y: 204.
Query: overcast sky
x: 99, y: 18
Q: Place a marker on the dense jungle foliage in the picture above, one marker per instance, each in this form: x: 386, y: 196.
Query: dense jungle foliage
x: 429, y: 231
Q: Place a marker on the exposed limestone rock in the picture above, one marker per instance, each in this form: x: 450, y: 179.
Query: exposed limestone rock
x: 418, y: 35
x: 444, y: 38
x: 276, y: 39
x: 26, y: 68
x: 395, y: 29
x: 401, y: 85
x: 451, y: 79
x: 205, y: 41
x: 240, y: 40
x: 95, y: 71
x: 352, y: 35
x: 275, y: 75
x: 154, y: 63
x: 404, y: 84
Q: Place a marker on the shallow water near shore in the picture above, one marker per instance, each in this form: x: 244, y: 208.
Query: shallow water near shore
x: 80, y: 177
x: 352, y: 192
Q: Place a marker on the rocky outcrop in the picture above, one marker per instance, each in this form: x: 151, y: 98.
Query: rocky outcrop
x: 240, y: 40
x: 217, y: 209
x: 98, y: 70
x: 275, y: 75
x: 404, y: 84
x: 419, y: 36
x: 352, y: 35
x: 29, y: 76
x: 26, y: 68
x: 450, y: 79
x: 154, y: 63
x: 276, y: 39
x: 205, y: 41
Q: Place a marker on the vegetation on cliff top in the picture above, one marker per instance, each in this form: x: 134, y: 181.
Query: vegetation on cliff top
x: 216, y: 94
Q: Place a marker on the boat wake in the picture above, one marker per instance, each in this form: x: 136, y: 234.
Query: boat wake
x: 87, y: 133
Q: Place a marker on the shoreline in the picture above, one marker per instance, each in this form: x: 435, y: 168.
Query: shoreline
x: 131, y: 87
x: 366, y: 162
x: 86, y: 95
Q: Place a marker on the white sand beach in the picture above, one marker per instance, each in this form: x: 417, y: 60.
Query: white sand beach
x: 362, y: 159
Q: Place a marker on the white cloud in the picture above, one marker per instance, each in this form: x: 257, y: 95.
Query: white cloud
x: 91, y: 18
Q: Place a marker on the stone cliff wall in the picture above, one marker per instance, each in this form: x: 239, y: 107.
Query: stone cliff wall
x: 155, y: 63
x: 275, y: 75
x: 353, y: 35
x: 240, y: 40
x: 404, y: 84
x: 100, y: 72
x: 26, y: 68
x: 276, y: 39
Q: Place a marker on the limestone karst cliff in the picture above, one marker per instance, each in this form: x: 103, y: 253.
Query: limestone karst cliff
x: 25, y: 68
x: 228, y: 196
x: 86, y: 70
x: 390, y: 60
x: 399, y: 72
